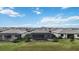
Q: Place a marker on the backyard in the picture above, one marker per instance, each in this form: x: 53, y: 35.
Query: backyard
x: 62, y: 45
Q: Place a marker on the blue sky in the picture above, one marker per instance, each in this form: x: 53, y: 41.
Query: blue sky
x: 39, y: 17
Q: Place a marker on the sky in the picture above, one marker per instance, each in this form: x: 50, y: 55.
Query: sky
x: 66, y: 17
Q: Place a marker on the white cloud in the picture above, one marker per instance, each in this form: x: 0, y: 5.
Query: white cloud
x: 57, y: 21
x: 9, y: 12
x: 22, y: 25
x: 17, y: 25
x: 65, y: 7
x: 11, y: 7
x: 1, y: 8
x: 37, y: 11
x: 37, y: 8
x: 74, y: 17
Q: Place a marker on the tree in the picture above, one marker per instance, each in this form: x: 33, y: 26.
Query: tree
x: 27, y: 38
x: 18, y: 39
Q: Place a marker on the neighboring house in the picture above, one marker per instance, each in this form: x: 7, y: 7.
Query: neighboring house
x: 42, y: 35
x: 68, y: 33
x: 12, y: 34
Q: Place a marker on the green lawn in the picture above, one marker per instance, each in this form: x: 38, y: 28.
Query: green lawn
x: 62, y: 45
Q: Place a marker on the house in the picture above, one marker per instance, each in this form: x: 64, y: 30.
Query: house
x: 67, y: 33
x: 41, y: 35
x: 12, y: 34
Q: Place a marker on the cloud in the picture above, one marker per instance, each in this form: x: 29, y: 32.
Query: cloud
x: 10, y: 12
x: 57, y: 21
x: 37, y: 11
x: 74, y: 17
x: 11, y: 7
x: 65, y: 7
x: 22, y: 25
x: 1, y: 8
x: 37, y: 8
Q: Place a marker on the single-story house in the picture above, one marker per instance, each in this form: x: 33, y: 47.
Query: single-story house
x: 68, y: 33
x: 42, y: 35
x: 12, y: 34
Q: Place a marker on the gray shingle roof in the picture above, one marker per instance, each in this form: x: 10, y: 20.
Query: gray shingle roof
x: 40, y: 31
x: 14, y: 31
x: 66, y: 31
x: 57, y: 31
x: 61, y: 31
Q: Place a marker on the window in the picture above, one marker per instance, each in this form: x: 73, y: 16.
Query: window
x: 61, y: 34
x: 18, y: 35
x: 77, y: 35
x: 8, y: 36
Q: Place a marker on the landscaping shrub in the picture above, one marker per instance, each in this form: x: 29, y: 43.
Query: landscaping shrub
x: 28, y: 39
x: 72, y: 39
x: 55, y: 39
x: 60, y: 37
x: 17, y: 40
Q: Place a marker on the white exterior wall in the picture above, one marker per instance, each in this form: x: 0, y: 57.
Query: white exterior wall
x: 22, y: 35
x: 12, y: 38
x: 64, y: 35
x: 3, y: 37
x: 75, y: 36
x: 56, y: 34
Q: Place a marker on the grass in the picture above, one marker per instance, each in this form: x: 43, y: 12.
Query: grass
x: 62, y: 45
